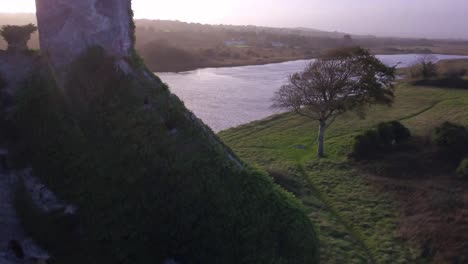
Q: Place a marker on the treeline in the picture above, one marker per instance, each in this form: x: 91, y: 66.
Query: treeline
x: 444, y: 74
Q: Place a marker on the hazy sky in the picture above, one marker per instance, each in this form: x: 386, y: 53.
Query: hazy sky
x: 408, y: 18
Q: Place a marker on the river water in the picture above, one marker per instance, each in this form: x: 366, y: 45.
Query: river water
x: 228, y: 97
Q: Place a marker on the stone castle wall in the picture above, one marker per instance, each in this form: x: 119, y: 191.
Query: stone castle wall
x: 68, y: 28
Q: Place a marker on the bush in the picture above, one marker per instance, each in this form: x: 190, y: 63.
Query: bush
x: 452, y: 140
x: 14, y: 34
x: 393, y: 132
x: 454, y: 73
x: 425, y: 68
x: 366, y: 145
x: 462, y: 170
x: 386, y: 136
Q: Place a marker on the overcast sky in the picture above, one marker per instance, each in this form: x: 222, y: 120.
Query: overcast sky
x: 406, y: 18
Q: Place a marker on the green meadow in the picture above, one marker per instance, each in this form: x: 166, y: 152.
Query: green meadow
x: 357, y: 223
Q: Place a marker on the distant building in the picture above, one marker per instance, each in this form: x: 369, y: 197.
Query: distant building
x: 234, y: 43
x: 278, y: 45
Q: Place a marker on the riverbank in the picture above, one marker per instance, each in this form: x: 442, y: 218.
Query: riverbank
x: 227, y: 64
x: 257, y: 62
x: 189, y: 61
x: 232, y: 96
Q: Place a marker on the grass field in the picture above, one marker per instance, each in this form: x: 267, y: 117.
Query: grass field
x: 358, y: 223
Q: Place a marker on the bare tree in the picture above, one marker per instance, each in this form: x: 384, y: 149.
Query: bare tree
x: 343, y: 80
x: 424, y: 67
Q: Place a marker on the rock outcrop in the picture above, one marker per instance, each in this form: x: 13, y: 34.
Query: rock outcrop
x: 68, y: 28
x: 24, y: 250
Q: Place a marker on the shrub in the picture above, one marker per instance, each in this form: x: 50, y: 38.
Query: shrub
x: 392, y: 133
x: 400, y: 132
x: 366, y: 145
x: 386, y: 136
x: 14, y: 34
x: 455, y: 73
x: 452, y: 140
x: 424, y: 68
x: 462, y: 170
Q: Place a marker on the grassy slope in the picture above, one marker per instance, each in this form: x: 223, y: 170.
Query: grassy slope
x: 356, y: 222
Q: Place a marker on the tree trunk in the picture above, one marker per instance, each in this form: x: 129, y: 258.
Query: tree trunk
x: 321, y: 137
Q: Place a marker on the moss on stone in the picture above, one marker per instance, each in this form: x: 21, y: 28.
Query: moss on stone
x: 150, y: 182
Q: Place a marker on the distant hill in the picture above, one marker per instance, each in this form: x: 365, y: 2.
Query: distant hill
x: 178, y: 26
x: 167, y: 45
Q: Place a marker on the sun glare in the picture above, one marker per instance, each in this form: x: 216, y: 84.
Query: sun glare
x: 202, y: 10
x: 17, y: 6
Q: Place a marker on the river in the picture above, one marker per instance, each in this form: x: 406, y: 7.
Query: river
x: 228, y: 97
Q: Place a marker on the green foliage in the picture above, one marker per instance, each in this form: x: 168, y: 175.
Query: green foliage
x: 428, y: 70
x: 444, y: 82
x: 14, y: 34
x: 393, y: 132
x: 462, y: 170
x: 374, y: 142
x: 455, y: 73
x: 424, y: 69
x: 348, y: 79
x: 449, y: 74
x: 149, y: 183
x: 452, y: 140
x: 343, y: 80
x: 366, y: 145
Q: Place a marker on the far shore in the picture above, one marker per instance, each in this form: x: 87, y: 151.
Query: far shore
x: 228, y: 64
x: 240, y: 63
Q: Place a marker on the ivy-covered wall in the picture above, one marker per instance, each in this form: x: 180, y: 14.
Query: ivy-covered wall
x: 150, y: 183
